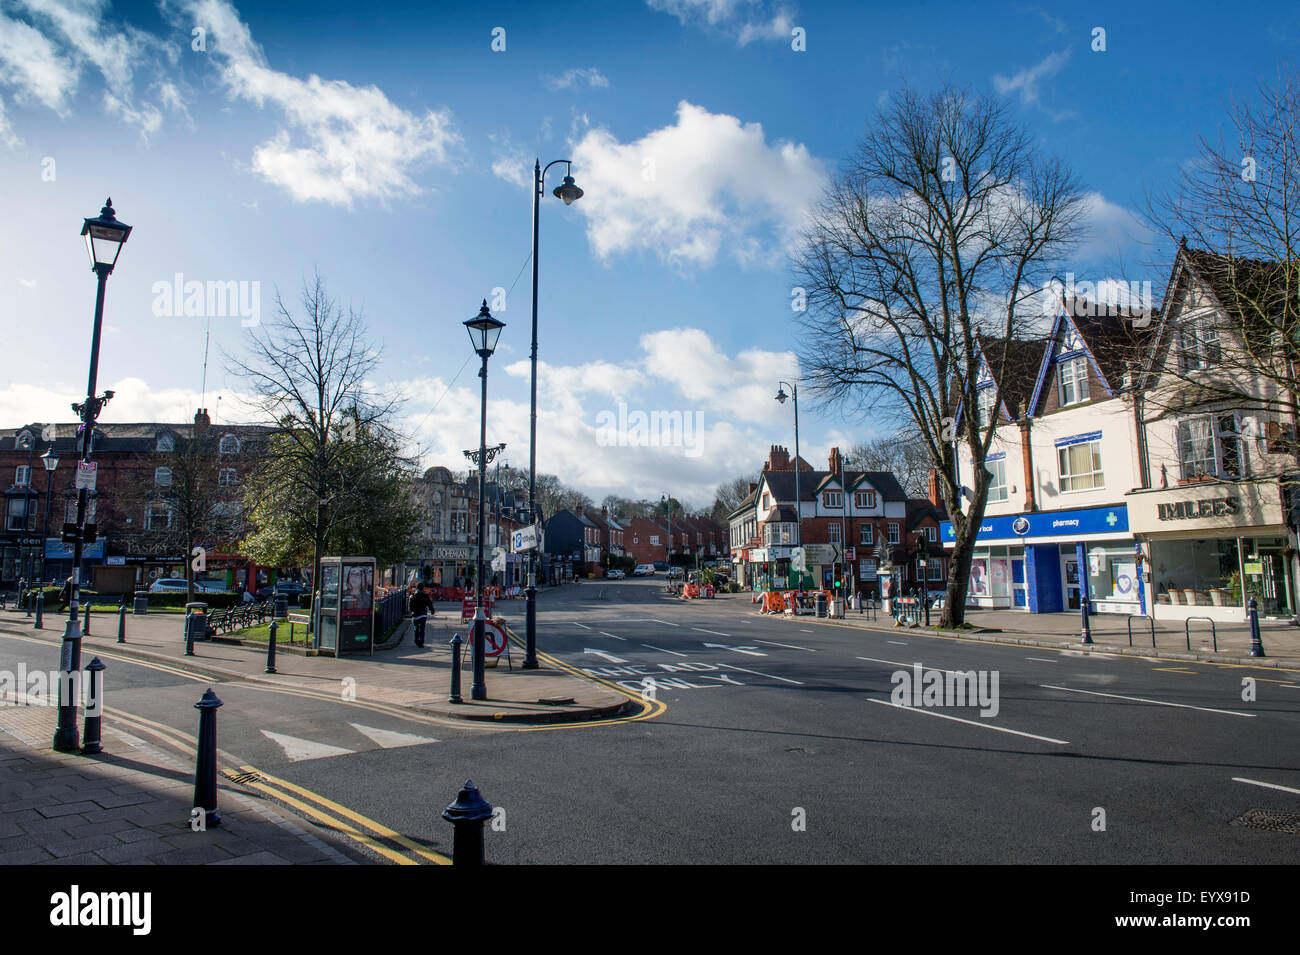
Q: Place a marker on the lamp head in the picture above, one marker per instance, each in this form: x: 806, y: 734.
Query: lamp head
x: 105, y: 237
x: 484, y: 330
x: 568, y: 191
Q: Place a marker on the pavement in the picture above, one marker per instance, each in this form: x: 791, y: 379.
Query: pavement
x: 403, y: 675
x: 131, y: 804
x: 1225, y: 643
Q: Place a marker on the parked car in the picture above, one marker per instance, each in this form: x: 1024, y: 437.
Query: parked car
x: 178, y: 585
x: 614, y: 575
x: 675, y: 573
x: 661, y: 565
x: 290, y: 588
x: 644, y: 570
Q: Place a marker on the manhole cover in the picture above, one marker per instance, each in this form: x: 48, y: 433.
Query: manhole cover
x: 1271, y: 819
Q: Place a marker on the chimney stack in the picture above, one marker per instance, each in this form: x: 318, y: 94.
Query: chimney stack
x: 933, y: 491
x: 834, y: 461
x: 201, y: 421
x: 778, y: 459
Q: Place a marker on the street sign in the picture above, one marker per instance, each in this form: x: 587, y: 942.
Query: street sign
x: 87, y: 473
x: 797, y: 559
x: 498, y: 559
x: 850, y: 554
x: 525, y: 538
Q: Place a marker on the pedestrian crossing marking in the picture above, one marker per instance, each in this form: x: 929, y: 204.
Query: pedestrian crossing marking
x: 297, y: 750
x: 391, y: 739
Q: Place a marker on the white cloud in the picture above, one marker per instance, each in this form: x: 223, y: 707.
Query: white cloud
x: 744, y: 21
x: 133, y: 400
x: 571, y: 79
x: 341, y: 142
x: 1026, y: 83
x: 30, y: 64
x: 688, y: 190
x: 1111, y: 229
x: 510, y: 162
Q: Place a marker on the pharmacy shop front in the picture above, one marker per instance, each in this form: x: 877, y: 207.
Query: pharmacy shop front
x: 1036, y: 562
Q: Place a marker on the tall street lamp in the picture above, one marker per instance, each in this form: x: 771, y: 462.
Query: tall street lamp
x: 484, y: 330
x: 105, y: 236
x: 668, y: 508
x: 569, y: 193
x: 798, y: 500
x: 51, y: 461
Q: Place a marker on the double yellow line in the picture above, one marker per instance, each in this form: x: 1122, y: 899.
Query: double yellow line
x: 377, y: 837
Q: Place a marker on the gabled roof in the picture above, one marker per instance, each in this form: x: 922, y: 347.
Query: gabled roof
x: 919, y: 508
x: 1024, y: 358
x: 1115, y: 339
x: 745, y: 505
x: 782, y: 483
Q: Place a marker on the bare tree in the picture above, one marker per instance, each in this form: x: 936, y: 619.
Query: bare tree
x: 309, y: 374
x: 728, y: 496
x: 903, y: 454
x: 1234, y: 215
x: 942, y: 227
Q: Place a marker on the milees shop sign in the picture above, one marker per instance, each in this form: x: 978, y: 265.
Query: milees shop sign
x: 1191, y: 510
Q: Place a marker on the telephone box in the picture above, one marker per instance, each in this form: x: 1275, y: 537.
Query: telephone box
x: 345, y: 615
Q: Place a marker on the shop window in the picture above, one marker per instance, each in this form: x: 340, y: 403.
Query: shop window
x: 1210, y: 446
x: 1081, y: 466
x: 998, y: 486
x: 868, y: 534
x: 1072, y: 380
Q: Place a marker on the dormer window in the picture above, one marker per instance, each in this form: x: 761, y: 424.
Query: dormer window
x: 985, y: 404
x: 229, y: 444
x: 833, y: 499
x: 1072, y: 380
x: 165, y: 443
x: 864, y: 499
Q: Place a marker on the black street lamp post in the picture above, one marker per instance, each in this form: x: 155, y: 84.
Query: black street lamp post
x: 798, y: 500
x: 484, y: 330
x: 28, y: 566
x: 105, y: 236
x: 51, y: 461
x: 569, y: 193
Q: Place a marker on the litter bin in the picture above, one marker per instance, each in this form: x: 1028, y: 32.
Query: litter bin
x: 196, y: 621
x: 821, y: 605
x: 837, y: 609
x: 280, y: 605
x: 141, y: 603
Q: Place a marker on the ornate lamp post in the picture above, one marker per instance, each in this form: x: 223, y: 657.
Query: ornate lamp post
x: 26, y: 443
x: 798, y: 500
x: 569, y: 193
x: 105, y: 236
x: 484, y: 330
x: 51, y: 462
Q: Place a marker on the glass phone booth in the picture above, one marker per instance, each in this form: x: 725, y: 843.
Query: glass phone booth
x: 345, y: 622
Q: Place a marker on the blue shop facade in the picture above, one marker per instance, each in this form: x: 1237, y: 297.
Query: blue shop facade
x: 1037, y: 562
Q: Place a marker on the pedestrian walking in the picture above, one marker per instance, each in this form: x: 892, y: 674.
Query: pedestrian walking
x: 65, y: 595
x: 421, y: 608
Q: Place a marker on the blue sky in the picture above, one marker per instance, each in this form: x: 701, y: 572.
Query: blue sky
x: 389, y: 146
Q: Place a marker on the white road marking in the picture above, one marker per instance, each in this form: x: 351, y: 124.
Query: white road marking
x: 582, y: 625
x: 296, y: 749
x: 1256, y: 782
x: 607, y: 656
x: 662, y: 650
x: 716, y: 633
x: 746, y: 650
x: 614, y: 635
x: 958, y: 719
x: 1042, y: 660
x: 899, y: 642
x: 895, y: 663
x: 391, y: 739
x: 802, y: 630
x: 756, y: 673
x: 665, y: 623
x: 1138, y: 699
x: 788, y: 646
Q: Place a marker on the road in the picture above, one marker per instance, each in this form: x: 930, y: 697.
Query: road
x: 776, y: 741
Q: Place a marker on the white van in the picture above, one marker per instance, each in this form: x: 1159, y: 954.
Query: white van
x: 644, y: 570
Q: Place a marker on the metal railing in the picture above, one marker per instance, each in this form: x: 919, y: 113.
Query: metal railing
x: 1187, y: 631
x: 390, y: 609
x: 1141, y: 616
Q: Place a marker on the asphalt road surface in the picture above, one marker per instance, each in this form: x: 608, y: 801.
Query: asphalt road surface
x: 781, y: 741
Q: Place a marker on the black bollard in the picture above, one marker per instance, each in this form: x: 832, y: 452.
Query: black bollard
x: 189, y: 636
x: 270, y: 649
x: 455, y: 669
x: 467, y: 814
x: 1083, y: 609
x: 90, y: 739
x: 27, y: 602
x: 121, y: 624
x: 1256, y: 642
x: 85, y: 624
x: 205, y: 770
x: 40, y: 610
